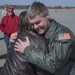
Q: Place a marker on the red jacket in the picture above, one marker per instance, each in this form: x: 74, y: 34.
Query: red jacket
x: 9, y: 24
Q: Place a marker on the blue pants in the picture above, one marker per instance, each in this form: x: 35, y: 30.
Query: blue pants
x: 7, y: 42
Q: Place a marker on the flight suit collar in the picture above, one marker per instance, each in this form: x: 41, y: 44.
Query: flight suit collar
x: 50, y: 32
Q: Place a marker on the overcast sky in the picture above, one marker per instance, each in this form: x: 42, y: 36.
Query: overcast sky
x: 46, y: 2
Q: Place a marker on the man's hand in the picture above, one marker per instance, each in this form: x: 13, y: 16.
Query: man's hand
x: 21, y: 45
x: 13, y: 37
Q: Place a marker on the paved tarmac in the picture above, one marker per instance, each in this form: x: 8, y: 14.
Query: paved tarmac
x: 2, y: 50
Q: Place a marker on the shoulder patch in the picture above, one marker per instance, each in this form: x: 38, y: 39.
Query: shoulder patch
x: 64, y: 36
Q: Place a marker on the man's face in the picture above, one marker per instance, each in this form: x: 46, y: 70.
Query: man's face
x: 10, y: 12
x: 39, y: 24
x: 5, y: 6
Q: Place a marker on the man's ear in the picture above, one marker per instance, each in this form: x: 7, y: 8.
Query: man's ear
x: 48, y: 15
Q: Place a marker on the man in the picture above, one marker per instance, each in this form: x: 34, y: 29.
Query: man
x: 5, y: 10
x: 9, y: 25
x: 59, y: 39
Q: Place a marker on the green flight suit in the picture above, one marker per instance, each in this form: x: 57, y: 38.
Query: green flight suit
x: 59, y: 38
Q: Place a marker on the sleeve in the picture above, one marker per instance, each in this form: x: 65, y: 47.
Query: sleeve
x: 2, y: 25
x: 52, y: 60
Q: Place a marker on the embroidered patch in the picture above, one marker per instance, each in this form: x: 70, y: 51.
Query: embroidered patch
x: 64, y: 36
